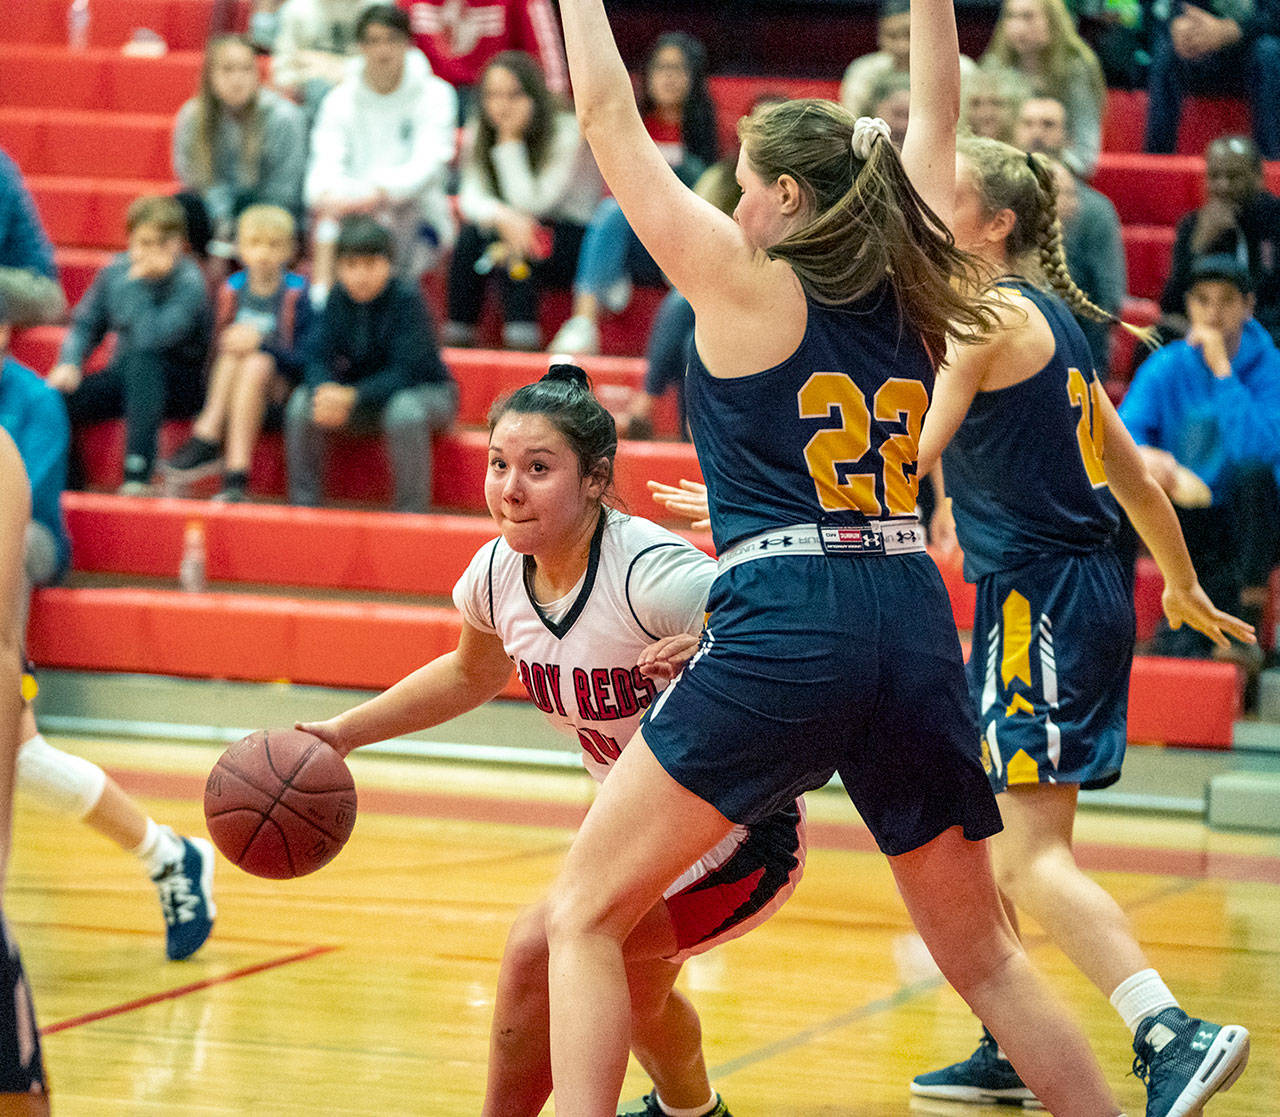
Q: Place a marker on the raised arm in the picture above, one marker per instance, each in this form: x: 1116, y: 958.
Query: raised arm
x: 458, y: 681
x: 697, y: 247
x: 958, y: 382
x: 928, y: 151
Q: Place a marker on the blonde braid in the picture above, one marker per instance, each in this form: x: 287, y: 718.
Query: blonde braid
x: 1053, y: 260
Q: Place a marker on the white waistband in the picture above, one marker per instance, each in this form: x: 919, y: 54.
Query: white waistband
x: 876, y: 537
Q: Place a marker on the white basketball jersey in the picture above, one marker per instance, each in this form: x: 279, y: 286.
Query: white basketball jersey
x: 577, y: 656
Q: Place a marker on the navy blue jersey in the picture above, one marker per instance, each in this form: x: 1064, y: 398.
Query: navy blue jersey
x: 830, y: 434
x: 1024, y: 470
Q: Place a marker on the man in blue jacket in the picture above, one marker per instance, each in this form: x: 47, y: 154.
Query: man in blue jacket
x: 1211, y: 404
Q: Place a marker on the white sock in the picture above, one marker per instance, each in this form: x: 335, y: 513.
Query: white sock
x: 1142, y: 995
x: 159, y: 847
x: 696, y: 1111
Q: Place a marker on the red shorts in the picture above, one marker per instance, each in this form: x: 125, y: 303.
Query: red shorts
x: 740, y: 883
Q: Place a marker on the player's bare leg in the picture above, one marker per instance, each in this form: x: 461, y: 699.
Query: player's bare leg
x: 248, y: 404
x: 950, y: 892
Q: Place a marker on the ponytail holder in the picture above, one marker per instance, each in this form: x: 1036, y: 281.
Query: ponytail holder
x: 866, y: 129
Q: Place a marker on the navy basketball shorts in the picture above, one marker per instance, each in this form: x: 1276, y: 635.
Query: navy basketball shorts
x: 1049, y: 671
x: 812, y: 665
x: 739, y: 884
x: 21, y: 1068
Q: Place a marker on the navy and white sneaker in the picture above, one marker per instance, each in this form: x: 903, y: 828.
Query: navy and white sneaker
x: 1185, y: 1061
x: 186, y: 898
x: 984, y: 1078
x: 653, y: 1109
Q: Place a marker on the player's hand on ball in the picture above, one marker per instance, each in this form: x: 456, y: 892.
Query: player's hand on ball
x: 329, y: 732
x: 665, y: 658
x: 688, y: 501
x: 1192, y: 606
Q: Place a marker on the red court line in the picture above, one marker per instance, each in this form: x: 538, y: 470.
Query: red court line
x: 183, y: 990
x: 852, y: 835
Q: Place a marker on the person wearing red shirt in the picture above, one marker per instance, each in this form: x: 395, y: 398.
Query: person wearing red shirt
x: 459, y: 37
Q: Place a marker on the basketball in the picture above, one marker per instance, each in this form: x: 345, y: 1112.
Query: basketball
x: 281, y: 803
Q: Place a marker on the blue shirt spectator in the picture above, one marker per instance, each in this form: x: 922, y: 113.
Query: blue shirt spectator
x: 28, y: 276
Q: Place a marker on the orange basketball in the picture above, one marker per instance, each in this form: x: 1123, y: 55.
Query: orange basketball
x: 281, y: 803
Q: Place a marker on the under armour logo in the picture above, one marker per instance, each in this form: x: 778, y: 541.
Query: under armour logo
x: 785, y: 541
x: 1204, y: 1037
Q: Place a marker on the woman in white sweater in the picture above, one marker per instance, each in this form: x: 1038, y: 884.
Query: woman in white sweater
x: 529, y: 187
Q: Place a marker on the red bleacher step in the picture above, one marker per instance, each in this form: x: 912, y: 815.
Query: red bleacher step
x: 73, y: 142
x: 99, y: 79
x: 182, y: 24
x: 89, y: 212
x: 344, y: 644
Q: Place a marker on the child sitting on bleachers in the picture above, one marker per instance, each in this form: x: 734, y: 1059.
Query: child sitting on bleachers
x: 263, y: 317
x: 152, y: 297
x: 373, y: 364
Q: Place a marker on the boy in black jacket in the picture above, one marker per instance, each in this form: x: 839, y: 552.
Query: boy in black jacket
x: 373, y: 362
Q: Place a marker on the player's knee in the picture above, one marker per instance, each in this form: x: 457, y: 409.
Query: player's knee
x: 573, y: 912
x: 62, y: 782
x: 525, y: 955
x: 258, y: 369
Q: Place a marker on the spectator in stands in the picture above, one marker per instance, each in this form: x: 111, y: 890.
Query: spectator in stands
x: 678, y: 113
x: 33, y: 415
x: 1090, y: 225
x: 382, y: 145
x: 1116, y: 31
x: 893, y: 38
x: 1211, y: 404
x: 1038, y: 39
x: 529, y: 187
x: 237, y: 144
x: 264, y: 25
x: 461, y: 37
x: 890, y: 100
x: 373, y: 363
x: 989, y: 101
x: 1239, y: 218
x: 152, y: 297
x: 314, y: 40
x: 1215, y: 47
x: 28, y: 277
x: 263, y: 315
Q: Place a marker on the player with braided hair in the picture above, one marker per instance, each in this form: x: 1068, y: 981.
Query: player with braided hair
x: 1032, y: 443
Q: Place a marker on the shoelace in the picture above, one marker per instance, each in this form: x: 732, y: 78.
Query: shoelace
x: 1141, y: 1070
x: 176, y: 898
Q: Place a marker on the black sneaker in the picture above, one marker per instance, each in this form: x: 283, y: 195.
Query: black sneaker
x: 193, y: 460
x: 653, y: 1109
x: 1184, y: 1061
x: 984, y: 1078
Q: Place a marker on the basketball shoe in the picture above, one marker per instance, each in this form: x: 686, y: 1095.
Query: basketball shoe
x: 1185, y: 1061
x: 653, y: 1109
x: 984, y: 1078
x: 186, y: 898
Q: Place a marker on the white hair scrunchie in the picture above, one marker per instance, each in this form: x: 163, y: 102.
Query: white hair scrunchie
x: 865, y: 131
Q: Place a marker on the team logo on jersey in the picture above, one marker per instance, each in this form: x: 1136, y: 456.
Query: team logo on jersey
x: 851, y: 541
x: 463, y: 26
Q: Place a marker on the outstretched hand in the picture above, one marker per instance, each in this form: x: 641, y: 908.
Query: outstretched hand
x: 665, y: 658
x: 1192, y: 606
x: 688, y: 501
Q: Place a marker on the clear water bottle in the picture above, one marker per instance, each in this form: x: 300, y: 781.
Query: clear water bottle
x: 78, y: 25
x: 192, y: 570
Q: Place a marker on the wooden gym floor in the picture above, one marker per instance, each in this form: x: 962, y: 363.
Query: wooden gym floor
x: 367, y: 988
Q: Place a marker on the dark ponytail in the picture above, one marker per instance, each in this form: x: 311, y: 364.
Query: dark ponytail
x: 564, y: 397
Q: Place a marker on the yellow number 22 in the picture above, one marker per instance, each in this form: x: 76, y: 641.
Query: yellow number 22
x: 1089, y: 432
x: 834, y: 451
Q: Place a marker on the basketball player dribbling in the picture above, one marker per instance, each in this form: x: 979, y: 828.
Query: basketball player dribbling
x: 830, y: 644
x: 589, y: 605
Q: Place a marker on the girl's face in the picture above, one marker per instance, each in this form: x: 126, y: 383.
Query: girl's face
x: 758, y: 214
x: 1026, y: 27
x: 504, y: 102
x: 233, y: 76
x: 533, y: 488
x: 987, y: 114
x: 669, y: 79
x: 968, y: 221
